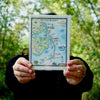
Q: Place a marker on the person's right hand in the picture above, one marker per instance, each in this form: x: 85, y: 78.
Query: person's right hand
x: 22, y: 70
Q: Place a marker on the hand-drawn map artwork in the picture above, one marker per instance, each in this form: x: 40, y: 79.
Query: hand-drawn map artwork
x: 49, y: 42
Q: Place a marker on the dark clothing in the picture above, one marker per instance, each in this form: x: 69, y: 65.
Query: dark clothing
x: 47, y: 84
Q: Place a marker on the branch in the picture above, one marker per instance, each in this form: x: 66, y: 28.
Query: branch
x: 86, y: 29
x: 92, y: 7
x: 94, y: 41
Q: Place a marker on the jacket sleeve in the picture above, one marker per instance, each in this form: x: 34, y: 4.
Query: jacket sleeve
x: 10, y: 78
x: 87, y: 82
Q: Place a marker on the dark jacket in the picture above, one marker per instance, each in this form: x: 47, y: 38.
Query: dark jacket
x: 47, y: 84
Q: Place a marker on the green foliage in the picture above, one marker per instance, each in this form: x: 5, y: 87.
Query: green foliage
x: 85, y: 34
x: 10, y: 32
x: 11, y: 41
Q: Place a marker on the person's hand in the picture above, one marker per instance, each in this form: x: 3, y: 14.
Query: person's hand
x: 75, y: 71
x: 22, y: 70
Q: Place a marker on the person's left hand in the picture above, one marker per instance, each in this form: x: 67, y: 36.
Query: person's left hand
x: 75, y: 72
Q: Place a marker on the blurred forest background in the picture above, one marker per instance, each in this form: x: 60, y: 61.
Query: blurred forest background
x: 84, y: 31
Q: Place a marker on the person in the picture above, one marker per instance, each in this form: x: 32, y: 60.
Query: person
x: 30, y: 84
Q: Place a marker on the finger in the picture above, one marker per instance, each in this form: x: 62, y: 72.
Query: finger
x: 79, y: 68
x: 73, y: 81
x: 22, y: 68
x: 74, y: 74
x: 75, y: 61
x: 75, y: 78
x: 25, y: 79
x: 24, y: 62
x: 23, y: 74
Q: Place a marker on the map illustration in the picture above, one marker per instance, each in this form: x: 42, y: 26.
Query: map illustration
x: 49, y: 41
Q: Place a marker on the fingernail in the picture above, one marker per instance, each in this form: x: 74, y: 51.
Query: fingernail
x: 79, y: 71
x: 64, y: 72
x: 30, y: 71
x: 33, y: 76
x: 29, y: 65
